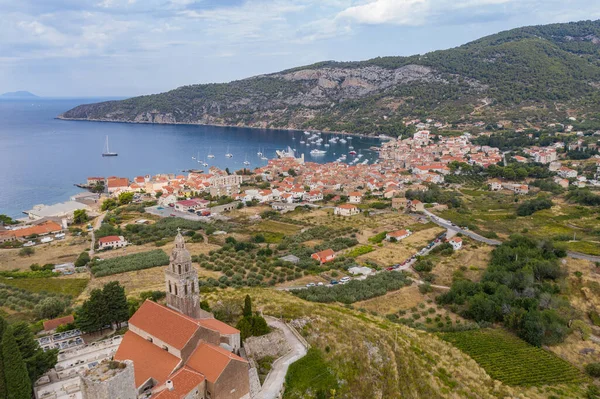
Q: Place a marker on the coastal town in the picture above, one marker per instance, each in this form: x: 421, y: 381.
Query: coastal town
x: 294, y: 227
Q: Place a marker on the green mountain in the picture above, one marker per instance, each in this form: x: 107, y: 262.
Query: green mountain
x: 528, y: 74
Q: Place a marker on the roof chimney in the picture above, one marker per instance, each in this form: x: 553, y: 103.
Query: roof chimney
x: 170, y: 385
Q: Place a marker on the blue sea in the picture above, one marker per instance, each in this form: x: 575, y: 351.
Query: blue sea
x: 41, y: 158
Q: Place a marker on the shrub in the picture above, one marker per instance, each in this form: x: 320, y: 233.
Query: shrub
x: 593, y: 369
x: 121, y: 264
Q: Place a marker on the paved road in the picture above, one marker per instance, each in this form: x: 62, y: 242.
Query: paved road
x: 448, y: 225
x: 97, y: 224
x: 274, y: 382
x: 579, y: 255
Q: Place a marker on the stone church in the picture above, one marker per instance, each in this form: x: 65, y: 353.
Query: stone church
x: 179, y: 350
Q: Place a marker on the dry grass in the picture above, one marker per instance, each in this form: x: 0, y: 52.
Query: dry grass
x: 374, y: 358
x: 140, y: 280
x: 56, y: 252
x: 474, y: 258
x: 302, y: 281
x: 394, y: 301
x: 397, y: 252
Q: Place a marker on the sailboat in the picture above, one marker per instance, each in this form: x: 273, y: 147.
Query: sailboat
x: 210, y: 156
x: 228, y: 154
x: 246, y: 162
x: 259, y: 153
x: 107, y: 152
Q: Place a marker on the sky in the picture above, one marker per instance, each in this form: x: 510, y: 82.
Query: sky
x: 90, y: 48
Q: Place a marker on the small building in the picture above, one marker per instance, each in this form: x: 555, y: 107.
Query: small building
x: 397, y: 203
x: 414, y: 206
x: 191, y: 205
x: 346, y: 210
x: 64, y: 268
x: 51, y: 325
x: 495, y: 185
x: 355, y: 197
x: 324, y: 256
x: 365, y: 271
x: 6, y: 236
x: 397, y: 235
x: 112, y: 242
x: 456, y: 243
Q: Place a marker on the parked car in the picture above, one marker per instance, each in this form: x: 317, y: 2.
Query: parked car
x: 172, y: 215
x: 344, y: 279
x: 389, y: 269
x: 320, y: 284
x: 333, y: 282
x: 310, y: 285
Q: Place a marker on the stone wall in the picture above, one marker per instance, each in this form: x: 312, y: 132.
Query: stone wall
x: 273, y: 344
x: 121, y: 385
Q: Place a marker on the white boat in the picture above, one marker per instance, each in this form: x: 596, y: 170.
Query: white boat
x: 210, y: 156
x: 107, y: 152
x: 302, y: 142
x: 246, y: 162
x: 317, y: 152
x: 264, y: 158
x: 259, y: 153
x: 349, y: 137
x: 343, y: 141
x: 326, y: 145
x: 306, y: 132
x: 228, y: 154
x: 350, y: 147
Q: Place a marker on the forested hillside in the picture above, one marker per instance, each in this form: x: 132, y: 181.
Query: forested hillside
x: 532, y: 73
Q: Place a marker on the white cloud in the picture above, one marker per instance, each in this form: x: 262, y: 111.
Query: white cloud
x: 409, y: 12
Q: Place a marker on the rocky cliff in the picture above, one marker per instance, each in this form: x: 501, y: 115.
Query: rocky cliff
x: 531, y: 72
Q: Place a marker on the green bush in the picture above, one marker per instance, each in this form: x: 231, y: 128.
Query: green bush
x: 593, y: 369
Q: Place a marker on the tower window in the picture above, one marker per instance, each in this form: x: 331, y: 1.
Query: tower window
x: 175, y: 289
x: 185, y: 289
x: 170, y: 288
x: 179, y: 269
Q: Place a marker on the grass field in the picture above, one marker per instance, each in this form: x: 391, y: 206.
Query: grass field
x: 311, y: 376
x: 65, y: 286
x: 513, y: 361
x: 470, y: 262
x: 392, y: 302
x: 56, y: 252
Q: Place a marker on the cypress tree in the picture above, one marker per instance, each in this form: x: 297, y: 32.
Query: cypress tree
x: 247, y: 307
x: 18, y: 385
x: 116, y: 301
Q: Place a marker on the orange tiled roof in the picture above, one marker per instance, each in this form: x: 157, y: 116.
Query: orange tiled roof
x: 163, y: 323
x: 219, y: 326
x: 149, y: 361
x: 211, y: 360
x: 42, y: 228
x: 325, y: 254
x: 184, y: 380
x: 52, y: 324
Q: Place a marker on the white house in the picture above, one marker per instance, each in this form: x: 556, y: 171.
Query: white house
x: 346, y: 210
x: 355, y: 197
x: 112, y: 242
x: 456, y: 243
x: 397, y: 235
x: 313, y: 196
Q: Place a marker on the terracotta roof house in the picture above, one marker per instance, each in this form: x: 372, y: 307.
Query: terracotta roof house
x: 397, y: 235
x: 50, y: 325
x: 180, y: 351
x: 355, y: 197
x: 456, y: 243
x: 41, y: 229
x: 324, y: 256
x: 112, y: 242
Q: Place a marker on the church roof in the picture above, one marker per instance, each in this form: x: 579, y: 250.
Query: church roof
x: 219, y: 326
x: 163, y: 323
x: 184, y: 380
x: 149, y: 361
x: 211, y: 360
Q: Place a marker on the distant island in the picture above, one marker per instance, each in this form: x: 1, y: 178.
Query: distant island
x: 18, y: 94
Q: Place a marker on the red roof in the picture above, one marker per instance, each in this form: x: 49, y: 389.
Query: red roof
x: 108, y: 239
x: 163, y: 323
x: 118, y: 182
x: 211, y: 360
x: 184, y: 380
x: 355, y: 194
x: 398, y: 233
x: 149, y: 360
x: 325, y: 254
x: 219, y: 326
x: 347, y: 206
x: 52, y: 324
x: 39, y: 229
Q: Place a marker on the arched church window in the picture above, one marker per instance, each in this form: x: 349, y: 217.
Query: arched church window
x: 185, y: 289
x: 170, y: 288
x: 179, y: 269
x: 175, y: 289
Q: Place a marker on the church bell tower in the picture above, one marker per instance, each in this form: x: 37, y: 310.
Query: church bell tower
x: 181, y: 281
